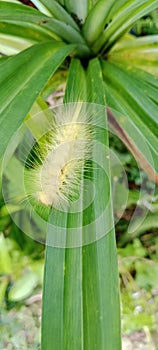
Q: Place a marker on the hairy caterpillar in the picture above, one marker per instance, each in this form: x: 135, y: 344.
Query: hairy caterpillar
x: 62, y: 152
x: 59, y: 156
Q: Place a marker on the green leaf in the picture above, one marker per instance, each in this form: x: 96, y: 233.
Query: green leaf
x: 148, y: 78
x: 54, y: 9
x: 100, y: 287
x: 32, y: 69
x: 23, y: 287
x: 41, y: 6
x: 78, y: 8
x: 139, y: 52
x: 145, y: 108
x: 83, y: 281
x: 150, y: 222
x: 62, y: 314
x: 5, y: 260
x: 3, y: 59
x: 96, y: 20
x: 4, y: 222
x: 137, y: 115
x: 55, y: 83
x: 117, y: 6
x: 11, y: 45
x: 76, y: 78
x: 27, y: 22
x: 3, y: 287
x: 60, y: 2
x: 122, y: 20
x: 13, y: 175
x: 146, y: 82
x: 132, y: 136
x: 91, y: 3
x: 32, y: 24
x: 147, y: 274
x: 135, y: 249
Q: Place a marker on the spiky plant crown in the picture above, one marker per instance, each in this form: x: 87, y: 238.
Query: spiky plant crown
x: 95, y: 28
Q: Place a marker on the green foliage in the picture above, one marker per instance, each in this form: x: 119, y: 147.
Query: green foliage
x: 20, y: 272
x: 37, y: 59
x: 139, y: 310
x: 147, y: 25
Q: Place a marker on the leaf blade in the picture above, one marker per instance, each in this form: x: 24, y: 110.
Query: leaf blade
x: 139, y: 52
x: 41, y: 60
x: 79, y: 8
x: 137, y: 132
x: 56, y: 10
x: 101, y: 293
x: 63, y: 266
x: 122, y: 20
x: 96, y: 20
x: 32, y: 24
x: 81, y: 273
x: 27, y: 22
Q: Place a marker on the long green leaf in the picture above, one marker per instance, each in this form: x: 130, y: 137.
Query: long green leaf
x: 77, y: 74
x: 62, y: 295
x: 136, y: 126
x: 78, y: 8
x: 117, y: 6
x: 22, y: 79
x: 53, y: 291
x: 129, y: 58
x: 61, y: 2
x: 101, y: 310
x: 91, y: 3
x: 81, y: 297
x: 149, y: 78
x: 139, y: 52
x: 96, y: 20
x: 133, y: 137
x: 73, y: 335
x: 133, y: 45
x: 26, y: 22
x: 128, y: 88
x: 145, y: 82
x: 32, y: 24
x: 11, y: 45
x: 122, y: 20
x: 55, y: 10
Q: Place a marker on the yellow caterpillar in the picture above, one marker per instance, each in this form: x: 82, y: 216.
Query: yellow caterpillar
x: 62, y: 153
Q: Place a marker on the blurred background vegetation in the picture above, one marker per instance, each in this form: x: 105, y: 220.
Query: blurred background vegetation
x: 22, y: 259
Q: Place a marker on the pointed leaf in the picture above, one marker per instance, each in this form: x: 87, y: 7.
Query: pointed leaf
x: 137, y: 117
x: 122, y: 20
x: 26, y: 22
x: 32, y: 69
x: 100, y: 288
x: 139, y: 52
x: 54, y: 9
x: 23, y: 287
x: 62, y: 314
x: 11, y: 45
x: 5, y: 259
x: 76, y: 78
x: 96, y: 20
x: 83, y: 281
x: 32, y: 24
x: 130, y: 89
x: 78, y: 8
